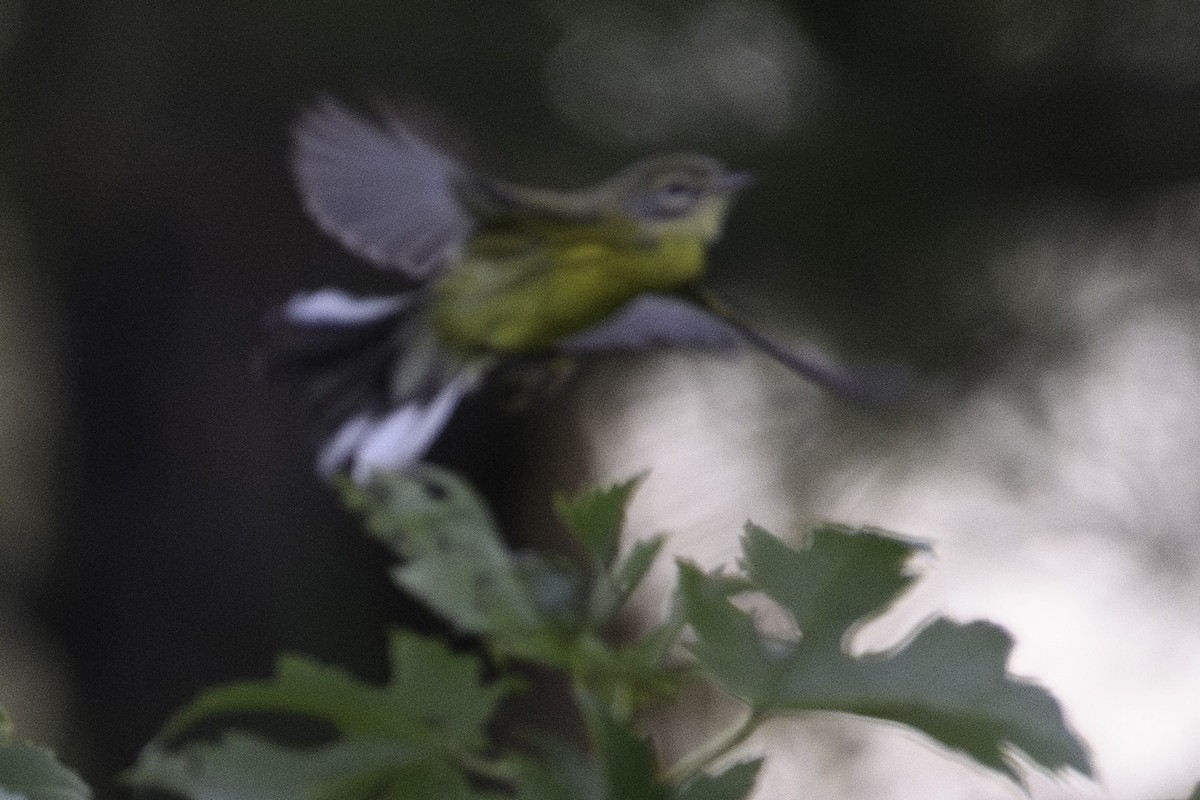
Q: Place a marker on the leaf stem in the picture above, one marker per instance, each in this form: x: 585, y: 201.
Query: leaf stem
x: 709, y: 752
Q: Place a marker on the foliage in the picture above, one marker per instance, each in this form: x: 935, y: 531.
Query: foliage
x: 431, y: 729
x: 29, y: 772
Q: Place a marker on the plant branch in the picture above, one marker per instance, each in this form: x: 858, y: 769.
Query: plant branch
x: 695, y: 761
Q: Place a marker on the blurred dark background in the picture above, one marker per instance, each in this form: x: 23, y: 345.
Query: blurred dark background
x: 184, y: 536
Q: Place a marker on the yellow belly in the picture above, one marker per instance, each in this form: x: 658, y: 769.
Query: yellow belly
x: 524, y: 300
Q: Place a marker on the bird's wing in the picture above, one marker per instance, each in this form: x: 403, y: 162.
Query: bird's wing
x: 879, y: 385
x: 382, y: 192
x: 501, y: 200
x: 653, y: 320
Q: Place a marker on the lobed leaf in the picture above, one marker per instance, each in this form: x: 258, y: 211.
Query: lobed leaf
x: 595, y: 518
x: 621, y: 765
x: 840, y: 579
x: 728, y: 643
x: 28, y: 772
x: 949, y: 682
x: 735, y: 783
x: 411, y: 511
x: 244, y: 767
x: 435, y: 698
x: 631, y: 570
x: 455, y: 559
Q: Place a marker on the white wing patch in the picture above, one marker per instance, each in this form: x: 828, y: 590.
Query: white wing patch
x: 335, y: 307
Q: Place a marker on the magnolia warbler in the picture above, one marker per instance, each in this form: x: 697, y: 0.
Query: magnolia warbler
x: 501, y: 272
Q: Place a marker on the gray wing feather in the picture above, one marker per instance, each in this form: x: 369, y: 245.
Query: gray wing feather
x: 652, y: 321
x: 382, y: 192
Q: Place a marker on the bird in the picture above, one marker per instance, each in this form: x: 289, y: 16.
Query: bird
x: 495, y: 273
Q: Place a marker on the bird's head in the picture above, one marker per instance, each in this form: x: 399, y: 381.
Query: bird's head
x: 678, y: 195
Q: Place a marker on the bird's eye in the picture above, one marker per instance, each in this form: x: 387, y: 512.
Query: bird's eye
x: 675, y: 198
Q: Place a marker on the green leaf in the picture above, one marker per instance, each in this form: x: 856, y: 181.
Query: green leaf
x: 630, y: 765
x: 555, y: 585
x: 456, y: 561
x: 648, y: 674
x: 529, y: 606
x: 410, y: 511
x: 28, y: 772
x: 553, y: 780
x: 243, y: 767
x: 612, y: 586
x: 841, y: 578
x: 561, y: 771
x: 620, y: 766
x: 444, y: 689
x: 735, y: 783
x: 727, y: 642
x: 435, y: 698
x: 632, y: 569
x: 596, y: 518
x: 949, y: 681
x: 475, y: 595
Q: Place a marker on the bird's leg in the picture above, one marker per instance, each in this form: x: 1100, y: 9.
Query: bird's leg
x: 534, y: 379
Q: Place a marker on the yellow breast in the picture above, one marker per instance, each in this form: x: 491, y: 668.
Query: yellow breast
x: 521, y: 293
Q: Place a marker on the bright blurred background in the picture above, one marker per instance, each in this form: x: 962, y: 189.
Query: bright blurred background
x: 1001, y: 193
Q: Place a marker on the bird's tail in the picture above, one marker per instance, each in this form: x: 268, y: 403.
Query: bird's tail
x: 880, y: 385
x: 378, y: 384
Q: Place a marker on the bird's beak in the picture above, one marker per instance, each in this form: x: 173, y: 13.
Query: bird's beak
x: 737, y: 180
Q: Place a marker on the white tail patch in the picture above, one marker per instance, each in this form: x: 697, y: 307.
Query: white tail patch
x: 335, y: 307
